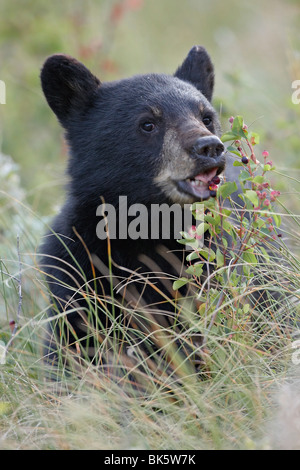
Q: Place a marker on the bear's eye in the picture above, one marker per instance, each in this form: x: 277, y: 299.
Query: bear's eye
x: 148, y: 126
x: 207, y: 120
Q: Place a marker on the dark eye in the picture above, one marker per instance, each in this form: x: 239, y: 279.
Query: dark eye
x: 207, y: 120
x: 148, y: 126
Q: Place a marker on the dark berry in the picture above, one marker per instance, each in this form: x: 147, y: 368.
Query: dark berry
x: 213, y: 193
x: 245, y: 160
x: 216, y: 180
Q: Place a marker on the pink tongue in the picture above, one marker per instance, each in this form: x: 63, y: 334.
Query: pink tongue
x: 208, y: 176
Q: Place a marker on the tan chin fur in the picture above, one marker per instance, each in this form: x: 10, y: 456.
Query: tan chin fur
x: 176, y: 165
x: 170, y: 190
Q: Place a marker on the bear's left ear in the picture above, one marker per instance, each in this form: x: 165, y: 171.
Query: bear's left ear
x: 68, y: 85
x: 198, y: 69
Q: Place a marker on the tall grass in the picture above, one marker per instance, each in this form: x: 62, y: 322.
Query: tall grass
x: 139, y: 401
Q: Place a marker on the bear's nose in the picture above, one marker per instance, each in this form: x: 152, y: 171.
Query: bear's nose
x: 208, y: 146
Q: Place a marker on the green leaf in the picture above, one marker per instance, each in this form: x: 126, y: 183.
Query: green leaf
x: 227, y: 226
x: 195, y: 269
x: 227, y: 188
x: 193, y: 244
x: 226, y: 212
x: 237, y: 163
x: 210, y: 204
x: 186, y: 235
x: 192, y: 256
x: 219, y: 258
x: 244, y: 175
x: 254, y: 138
x: 277, y: 220
x: 208, y: 255
x: 237, y: 127
x: 201, y: 228
x: 259, y: 223
x: 249, y: 257
x: 180, y: 282
x: 225, y: 242
x: 234, y: 150
x: 210, y: 219
x: 252, y: 196
x: 246, y: 308
x: 229, y: 136
x: 258, y: 179
x: 237, y: 124
x: 185, y: 242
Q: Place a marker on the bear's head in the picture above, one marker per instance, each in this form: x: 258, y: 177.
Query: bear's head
x: 153, y: 138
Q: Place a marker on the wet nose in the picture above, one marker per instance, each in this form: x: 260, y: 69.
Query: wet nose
x: 208, y: 146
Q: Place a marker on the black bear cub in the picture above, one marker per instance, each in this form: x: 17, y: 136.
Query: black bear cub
x: 135, y: 144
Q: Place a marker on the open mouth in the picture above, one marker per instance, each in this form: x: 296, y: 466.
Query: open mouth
x: 202, y: 186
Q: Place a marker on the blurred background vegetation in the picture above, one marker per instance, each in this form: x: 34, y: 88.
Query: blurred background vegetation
x: 255, y: 47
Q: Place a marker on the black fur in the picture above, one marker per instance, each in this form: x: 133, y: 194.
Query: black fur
x: 111, y: 155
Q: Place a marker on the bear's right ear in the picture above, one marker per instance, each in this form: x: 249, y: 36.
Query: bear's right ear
x: 198, y: 69
x: 67, y: 84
